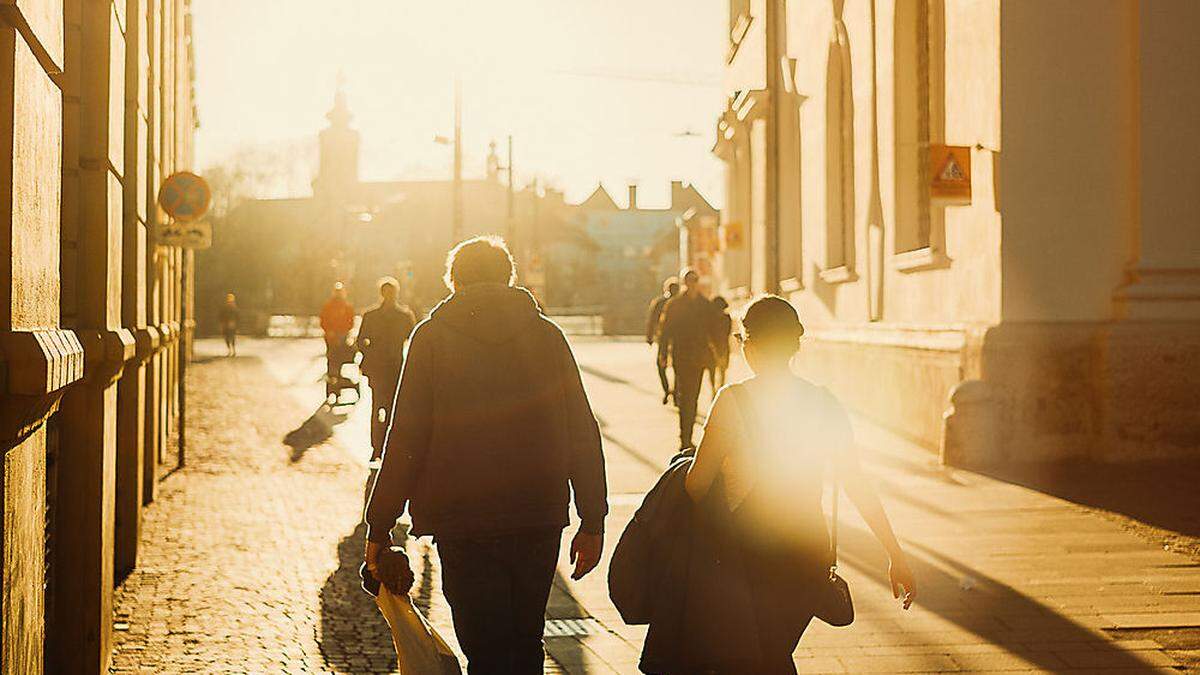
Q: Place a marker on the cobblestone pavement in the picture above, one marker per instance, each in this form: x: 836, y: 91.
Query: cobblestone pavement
x: 250, y: 554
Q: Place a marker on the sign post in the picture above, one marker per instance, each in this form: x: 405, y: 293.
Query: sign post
x: 185, y: 197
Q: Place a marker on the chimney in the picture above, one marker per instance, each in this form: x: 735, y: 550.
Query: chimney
x: 677, y: 195
x: 632, y: 196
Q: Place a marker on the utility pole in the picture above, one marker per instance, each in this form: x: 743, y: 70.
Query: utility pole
x: 458, y: 196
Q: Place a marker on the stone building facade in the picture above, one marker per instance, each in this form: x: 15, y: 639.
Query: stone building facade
x: 96, y: 108
x: 1055, y: 312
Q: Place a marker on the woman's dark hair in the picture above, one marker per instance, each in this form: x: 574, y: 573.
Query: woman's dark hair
x: 479, y: 260
x: 772, y: 323
x: 721, y: 303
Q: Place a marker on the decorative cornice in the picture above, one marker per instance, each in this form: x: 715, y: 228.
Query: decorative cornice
x: 147, y: 341
x: 35, y: 369
x: 105, y: 353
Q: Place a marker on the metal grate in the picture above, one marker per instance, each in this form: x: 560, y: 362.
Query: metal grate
x: 573, y: 627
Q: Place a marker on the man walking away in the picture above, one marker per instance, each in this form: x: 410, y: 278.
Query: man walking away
x: 381, y: 337
x: 654, y: 333
x: 337, y: 318
x: 491, y: 433
x: 686, y: 335
x: 228, y: 318
x: 722, y: 331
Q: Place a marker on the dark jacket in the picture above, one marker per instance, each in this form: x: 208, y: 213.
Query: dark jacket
x: 687, y: 330
x: 492, y: 428
x: 381, y: 337
x: 228, y: 317
x: 657, y: 528
x: 654, y: 318
x: 700, y: 610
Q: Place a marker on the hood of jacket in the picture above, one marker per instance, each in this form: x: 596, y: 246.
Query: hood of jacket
x: 491, y: 313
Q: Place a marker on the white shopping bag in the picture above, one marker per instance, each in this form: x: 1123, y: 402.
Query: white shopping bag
x: 419, y: 648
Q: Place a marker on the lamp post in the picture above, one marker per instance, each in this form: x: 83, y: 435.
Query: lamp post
x: 457, y: 226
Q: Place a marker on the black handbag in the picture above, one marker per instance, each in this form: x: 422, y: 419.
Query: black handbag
x: 832, y: 602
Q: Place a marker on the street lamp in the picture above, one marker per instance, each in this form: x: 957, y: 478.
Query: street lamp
x: 456, y: 231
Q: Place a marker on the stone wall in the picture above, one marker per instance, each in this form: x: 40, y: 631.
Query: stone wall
x: 95, y: 109
x: 900, y: 379
x: 1109, y: 392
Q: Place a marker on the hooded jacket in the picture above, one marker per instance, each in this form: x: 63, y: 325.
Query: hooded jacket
x: 491, y: 429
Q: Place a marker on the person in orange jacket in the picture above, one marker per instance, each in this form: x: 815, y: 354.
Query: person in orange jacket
x: 337, y: 318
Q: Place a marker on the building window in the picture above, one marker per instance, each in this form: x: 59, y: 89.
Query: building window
x: 739, y: 25
x: 791, y: 230
x: 920, y: 122
x: 839, y: 158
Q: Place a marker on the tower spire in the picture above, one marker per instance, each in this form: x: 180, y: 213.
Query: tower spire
x: 339, y: 115
x: 337, y: 171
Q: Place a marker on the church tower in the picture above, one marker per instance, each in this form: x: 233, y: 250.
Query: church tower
x: 337, y: 172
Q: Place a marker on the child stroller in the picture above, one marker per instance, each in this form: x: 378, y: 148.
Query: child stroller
x: 342, y: 375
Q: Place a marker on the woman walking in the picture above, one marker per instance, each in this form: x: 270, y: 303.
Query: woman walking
x: 755, y: 487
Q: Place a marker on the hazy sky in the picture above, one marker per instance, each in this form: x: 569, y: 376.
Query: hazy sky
x: 590, y: 89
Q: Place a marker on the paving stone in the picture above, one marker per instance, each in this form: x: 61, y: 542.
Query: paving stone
x: 250, y: 554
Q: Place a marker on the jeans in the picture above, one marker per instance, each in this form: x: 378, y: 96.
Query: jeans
x: 661, y: 361
x: 688, y: 380
x: 498, y: 588
x: 383, y: 394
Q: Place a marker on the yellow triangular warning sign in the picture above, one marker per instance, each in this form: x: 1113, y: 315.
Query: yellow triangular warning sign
x: 951, y: 171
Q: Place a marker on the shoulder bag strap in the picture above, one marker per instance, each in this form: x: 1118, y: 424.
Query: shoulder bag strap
x: 750, y: 418
x: 833, y: 524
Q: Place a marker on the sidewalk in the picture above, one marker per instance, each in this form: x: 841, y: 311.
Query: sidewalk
x: 1010, y: 579
x: 250, y: 553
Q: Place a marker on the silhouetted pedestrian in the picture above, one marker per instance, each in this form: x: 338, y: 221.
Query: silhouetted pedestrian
x: 759, y: 562
x: 492, y: 432
x: 654, y: 333
x: 228, y: 318
x: 337, y: 318
x: 381, y: 337
x: 722, y: 331
x: 687, y: 337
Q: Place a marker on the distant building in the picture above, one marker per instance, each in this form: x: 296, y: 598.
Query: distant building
x: 638, y: 249
x: 985, y: 213
x: 281, y: 256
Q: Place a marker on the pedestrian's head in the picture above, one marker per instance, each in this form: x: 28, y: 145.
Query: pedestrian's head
x: 771, y: 332
x: 671, y: 285
x: 691, y: 280
x: 480, y: 260
x: 389, y: 288
x: 230, y: 299
x: 720, y: 303
x: 339, y: 291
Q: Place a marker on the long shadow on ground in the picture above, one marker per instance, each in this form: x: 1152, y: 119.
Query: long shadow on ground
x: 354, y: 637
x: 990, y: 609
x: 1161, y: 494
x: 315, y: 430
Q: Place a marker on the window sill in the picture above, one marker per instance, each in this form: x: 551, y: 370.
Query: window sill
x: 737, y: 35
x: 791, y: 285
x: 920, y: 259
x: 838, y: 275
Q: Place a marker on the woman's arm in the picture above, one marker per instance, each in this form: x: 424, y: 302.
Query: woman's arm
x: 713, y: 448
x: 862, y: 493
